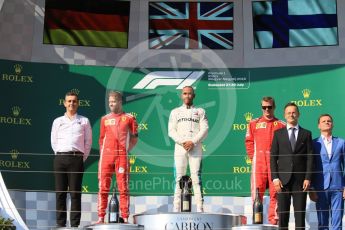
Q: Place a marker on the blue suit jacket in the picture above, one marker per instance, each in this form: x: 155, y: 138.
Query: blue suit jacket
x: 328, y: 172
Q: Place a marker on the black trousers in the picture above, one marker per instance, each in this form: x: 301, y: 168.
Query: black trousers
x: 293, y: 189
x: 68, y: 178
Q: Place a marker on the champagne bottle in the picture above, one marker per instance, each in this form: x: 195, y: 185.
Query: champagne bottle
x: 257, y: 209
x: 186, y: 196
x: 113, y: 208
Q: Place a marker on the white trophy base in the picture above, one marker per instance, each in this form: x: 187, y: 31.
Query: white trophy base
x: 188, y: 220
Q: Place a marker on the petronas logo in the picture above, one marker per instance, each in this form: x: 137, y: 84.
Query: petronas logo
x: 16, y: 111
x: 18, y: 69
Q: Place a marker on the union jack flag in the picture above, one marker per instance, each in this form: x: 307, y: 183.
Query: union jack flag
x: 191, y: 25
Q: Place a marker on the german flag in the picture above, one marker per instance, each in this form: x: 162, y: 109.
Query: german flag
x: 102, y: 23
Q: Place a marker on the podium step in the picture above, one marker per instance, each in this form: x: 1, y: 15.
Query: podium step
x: 186, y: 221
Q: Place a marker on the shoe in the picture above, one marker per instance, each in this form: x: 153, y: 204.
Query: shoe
x: 273, y: 222
x: 125, y: 220
x: 100, y: 220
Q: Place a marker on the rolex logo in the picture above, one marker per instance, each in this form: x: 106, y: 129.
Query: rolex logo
x: 15, y: 118
x: 134, y: 114
x: 243, y: 126
x: 307, y: 101
x: 76, y: 91
x: 306, y: 93
x: 17, y: 76
x: 18, y: 69
x: 132, y: 159
x: 13, y: 163
x: 248, y: 160
x: 248, y: 116
x: 136, y: 168
x: 243, y: 169
x: 16, y: 111
x: 14, y: 154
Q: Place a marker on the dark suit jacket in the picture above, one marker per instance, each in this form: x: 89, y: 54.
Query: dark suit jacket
x: 284, y: 161
x: 329, y: 172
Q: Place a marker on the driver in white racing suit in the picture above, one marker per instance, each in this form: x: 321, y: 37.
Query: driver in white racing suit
x: 188, y: 127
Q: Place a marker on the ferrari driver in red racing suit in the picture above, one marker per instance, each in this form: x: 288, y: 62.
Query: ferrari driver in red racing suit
x: 118, y: 135
x: 258, y: 145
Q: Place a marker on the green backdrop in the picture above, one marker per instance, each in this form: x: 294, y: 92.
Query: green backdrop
x: 32, y: 94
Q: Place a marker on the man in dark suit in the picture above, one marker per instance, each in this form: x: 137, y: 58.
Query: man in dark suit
x: 328, y: 178
x: 291, y: 167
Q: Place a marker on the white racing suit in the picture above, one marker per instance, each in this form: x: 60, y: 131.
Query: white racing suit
x: 188, y: 124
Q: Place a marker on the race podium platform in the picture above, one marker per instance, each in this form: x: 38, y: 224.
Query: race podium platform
x: 188, y: 220
x: 114, y: 227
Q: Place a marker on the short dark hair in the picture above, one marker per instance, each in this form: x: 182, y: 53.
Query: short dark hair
x: 267, y: 99
x: 291, y: 104
x: 188, y: 86
x: 116, y: 94
x: 70, y: 93
x: 325, y: 115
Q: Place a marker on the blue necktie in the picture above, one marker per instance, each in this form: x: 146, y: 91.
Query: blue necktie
x: 292, y: 139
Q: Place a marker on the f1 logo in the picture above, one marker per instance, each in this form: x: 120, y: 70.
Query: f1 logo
x: 165, y: 78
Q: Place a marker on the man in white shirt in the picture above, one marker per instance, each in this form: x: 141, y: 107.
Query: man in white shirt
x: 71, y: 140
x: 188, y: 127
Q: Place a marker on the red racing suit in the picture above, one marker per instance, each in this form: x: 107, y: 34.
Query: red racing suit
x: 258, y: 145
x: 116, y: 131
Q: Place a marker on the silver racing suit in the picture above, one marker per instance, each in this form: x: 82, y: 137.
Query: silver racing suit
x: 188, y: 124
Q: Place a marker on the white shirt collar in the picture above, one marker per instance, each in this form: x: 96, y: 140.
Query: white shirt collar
x: 288, y: 126
x: 185, y: 106
x: 325, y: 140
x: 73, y: 118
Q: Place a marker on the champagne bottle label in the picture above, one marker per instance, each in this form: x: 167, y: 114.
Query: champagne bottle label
x: 258, y: 218
x: 185, y: 205
x: 113, y: 216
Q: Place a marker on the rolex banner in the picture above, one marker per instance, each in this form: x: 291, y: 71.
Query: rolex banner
x: 32, y: 97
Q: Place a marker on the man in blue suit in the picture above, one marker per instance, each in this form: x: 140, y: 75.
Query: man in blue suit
x: 328, y: 178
